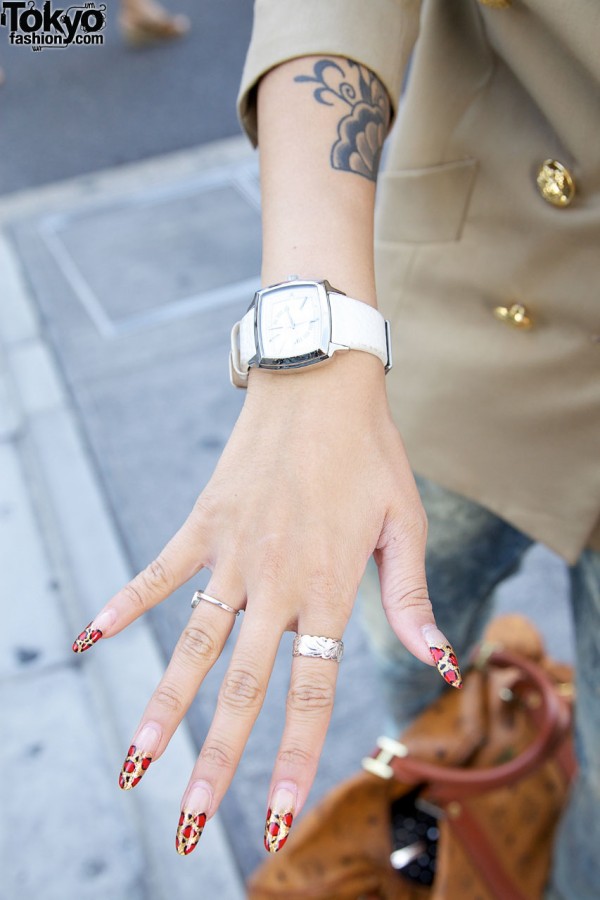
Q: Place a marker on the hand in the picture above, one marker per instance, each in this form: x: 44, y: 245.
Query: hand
x: 313, y: 480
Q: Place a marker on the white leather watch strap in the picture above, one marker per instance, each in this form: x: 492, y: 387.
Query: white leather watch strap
x: 247, y: 338
x: 359, y: 326
x: 355, y: 325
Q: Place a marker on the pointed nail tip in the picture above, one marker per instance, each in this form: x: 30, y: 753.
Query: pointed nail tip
x: 189, y: 831
x: 86, y: 640
x: 184, y: 850
x: 454, y: 683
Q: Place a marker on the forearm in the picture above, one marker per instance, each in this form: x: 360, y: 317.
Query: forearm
x: 320, y: 142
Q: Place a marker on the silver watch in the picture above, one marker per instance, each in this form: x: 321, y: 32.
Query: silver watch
x: 300, y: 323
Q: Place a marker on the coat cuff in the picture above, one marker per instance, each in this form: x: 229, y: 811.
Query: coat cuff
x: 380, y: 35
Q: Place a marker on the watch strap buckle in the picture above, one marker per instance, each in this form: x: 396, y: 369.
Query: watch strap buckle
x: 237, y: 377
x: 388, y: 345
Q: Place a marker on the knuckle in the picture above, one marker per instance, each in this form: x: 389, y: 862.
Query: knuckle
x: 413, y: 597
x: 407, y: 525
x: 322, y: 583
x: 157, y: 577
x: 241, y: 690
x: 197, y: 645
x: 135, y: 597
x: 197, y: 526
x: 420, y: 523
x: 274, y: 562
x: 203, y: 509
x: 295, y: 757
x: 307, y: 696
x: 217, y: 754
x: 168, y: 698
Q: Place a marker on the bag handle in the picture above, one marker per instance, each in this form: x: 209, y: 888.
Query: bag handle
x: 553, y: 718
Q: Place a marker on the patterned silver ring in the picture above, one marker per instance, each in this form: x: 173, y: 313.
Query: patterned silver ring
x: 318, y: 647
x: 200, y: 595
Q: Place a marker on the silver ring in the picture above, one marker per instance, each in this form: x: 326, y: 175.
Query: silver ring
x: 315, y: 646
x: 200, y: 595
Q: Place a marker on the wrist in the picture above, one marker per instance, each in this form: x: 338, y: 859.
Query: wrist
x: 357, y: 282
x: 350, y: 377
x: 301, y: 324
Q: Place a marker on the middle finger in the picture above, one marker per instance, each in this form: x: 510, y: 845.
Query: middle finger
x: 240, y: 700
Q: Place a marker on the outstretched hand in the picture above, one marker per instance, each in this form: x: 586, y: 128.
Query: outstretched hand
x: 313, y: 481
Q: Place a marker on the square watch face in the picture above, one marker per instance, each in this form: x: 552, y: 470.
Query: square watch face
x: 293, y: 324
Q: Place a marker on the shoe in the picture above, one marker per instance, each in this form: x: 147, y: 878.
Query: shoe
x: 145, y: 22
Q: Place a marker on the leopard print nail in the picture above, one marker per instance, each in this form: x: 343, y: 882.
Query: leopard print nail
x: 447, y: 664
x: 191, y: 826
x: 86, y: 639
x: 277, y: 828
x: 136, y: 763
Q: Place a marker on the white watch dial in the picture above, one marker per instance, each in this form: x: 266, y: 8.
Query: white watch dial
x: 290, y: 322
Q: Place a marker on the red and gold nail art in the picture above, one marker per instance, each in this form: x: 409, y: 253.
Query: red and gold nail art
x: 447, y: 664
x: 134, y: 767
x: 86, y: 639
x: 191, y: 826
x: 277, y: 828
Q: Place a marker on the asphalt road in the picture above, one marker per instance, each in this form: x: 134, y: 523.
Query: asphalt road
x: 69, y: 111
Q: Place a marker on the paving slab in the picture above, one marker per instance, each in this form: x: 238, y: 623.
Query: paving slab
x: 33, y: 634
x: 66, y: 807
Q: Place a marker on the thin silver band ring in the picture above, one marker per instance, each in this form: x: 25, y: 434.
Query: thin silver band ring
x: 200, y: 595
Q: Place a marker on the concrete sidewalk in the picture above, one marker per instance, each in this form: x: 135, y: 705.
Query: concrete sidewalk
x: 117, y: 293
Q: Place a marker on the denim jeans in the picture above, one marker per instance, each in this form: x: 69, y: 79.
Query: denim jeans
x: 470, y: 551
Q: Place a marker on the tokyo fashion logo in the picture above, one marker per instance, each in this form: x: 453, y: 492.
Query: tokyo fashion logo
x: 47, y: 27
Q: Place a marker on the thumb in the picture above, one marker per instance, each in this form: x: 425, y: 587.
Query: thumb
x: 400, y: 558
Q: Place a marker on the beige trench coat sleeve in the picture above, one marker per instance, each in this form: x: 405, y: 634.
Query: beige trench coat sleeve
x: 379, y: 34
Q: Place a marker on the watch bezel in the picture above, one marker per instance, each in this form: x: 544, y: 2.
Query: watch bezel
x: 320, y: 353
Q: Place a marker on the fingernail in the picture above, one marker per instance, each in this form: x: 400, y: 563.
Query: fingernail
x: 139, y: 756
x: 86, y: 639
x: 193, y: 817
x: 443, y: 655
x: 94, y: 631
x: 280, y: 817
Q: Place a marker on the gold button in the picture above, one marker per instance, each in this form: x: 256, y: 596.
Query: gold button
x: 516, y: 315
x: 555, y: 183
x: 496, y: 4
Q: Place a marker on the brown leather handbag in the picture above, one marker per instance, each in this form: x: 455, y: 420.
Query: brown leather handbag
x: 492, y: 763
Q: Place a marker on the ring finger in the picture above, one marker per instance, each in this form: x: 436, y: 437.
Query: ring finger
x: 309, y: 707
